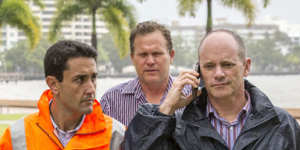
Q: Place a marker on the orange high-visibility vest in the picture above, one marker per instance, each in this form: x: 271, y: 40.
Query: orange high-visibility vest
x: 35, y: 131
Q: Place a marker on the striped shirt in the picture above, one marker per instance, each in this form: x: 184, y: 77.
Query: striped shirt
x: 229, y: 131
x: 64, y: 136
x: 122, y: 101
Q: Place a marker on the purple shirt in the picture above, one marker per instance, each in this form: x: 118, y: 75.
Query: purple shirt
x: 122, y: 101
x: 229, y: 131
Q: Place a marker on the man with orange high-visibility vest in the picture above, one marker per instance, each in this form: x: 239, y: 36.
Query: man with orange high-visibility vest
x: 69, y: 116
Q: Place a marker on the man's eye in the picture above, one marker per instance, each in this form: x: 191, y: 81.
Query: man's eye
x: 143, y: 55
x: 228, y: 65
x: 79, y: 79
x: 209, y: 66
x: 157, y: 54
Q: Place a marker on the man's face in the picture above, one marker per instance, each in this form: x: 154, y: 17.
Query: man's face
x: 76, y: 92
x: 151, y: 58
x: 221, y: 67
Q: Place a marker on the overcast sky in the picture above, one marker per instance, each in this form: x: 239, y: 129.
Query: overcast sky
x: 165, y: 11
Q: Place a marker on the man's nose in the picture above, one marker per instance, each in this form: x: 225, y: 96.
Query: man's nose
x: 219, y: 73
x: 150, y: 60
x: 91, y: 87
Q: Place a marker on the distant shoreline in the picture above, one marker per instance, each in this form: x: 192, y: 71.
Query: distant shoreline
x: 10, y: 77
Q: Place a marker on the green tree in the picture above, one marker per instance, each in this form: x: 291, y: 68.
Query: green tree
x: 293, y: 58
x: 117, y: 14
x: 185, y: 51
x: 16, y: 13
x: 20, y: 59
x: 266, y: 55
x: 245, y: 6
x: 111, y: 51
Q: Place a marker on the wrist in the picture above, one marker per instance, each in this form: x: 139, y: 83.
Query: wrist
x: 166, y: 109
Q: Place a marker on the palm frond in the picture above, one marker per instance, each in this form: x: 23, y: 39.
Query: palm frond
x: 39, y: 3
x: 128, y: 11
x: 266, y: 3
x: 67, y: 13
x: 118, y: 26
x: 188, y: 6
x: 246, y: 6
x: 16, y: 13
x: 141, y: 1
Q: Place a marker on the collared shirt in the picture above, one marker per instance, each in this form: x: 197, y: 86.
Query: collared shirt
x: 64, y: 136
x: 229, y: 131
x: 122, y: 101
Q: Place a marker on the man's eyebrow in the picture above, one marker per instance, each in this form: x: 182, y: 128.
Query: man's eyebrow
x: 79, y: 76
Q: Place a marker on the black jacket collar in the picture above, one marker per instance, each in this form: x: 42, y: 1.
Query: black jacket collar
x: 262, y: 108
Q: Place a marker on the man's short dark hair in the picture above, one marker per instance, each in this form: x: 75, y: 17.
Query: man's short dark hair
x: 242, y: 49
x: 149, y: 27
x: 55, y: 60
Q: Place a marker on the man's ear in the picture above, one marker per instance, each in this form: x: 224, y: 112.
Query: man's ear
x: 247, y: 67
x: 172, y: 55
x: 53, y: 84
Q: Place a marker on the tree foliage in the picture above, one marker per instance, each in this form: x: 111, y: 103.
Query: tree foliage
x: 16, y: 13
x: 20, y: 59
x: 274, y: 53
x: 185, y: 52
x: 111, y: 52
x: 247, y: 7
x: 118, y: 15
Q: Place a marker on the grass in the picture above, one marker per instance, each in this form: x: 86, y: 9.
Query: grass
x: 11, y: 116
x: 2, y: 128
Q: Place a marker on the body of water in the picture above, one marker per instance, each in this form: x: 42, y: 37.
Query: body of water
x: 284, y: 91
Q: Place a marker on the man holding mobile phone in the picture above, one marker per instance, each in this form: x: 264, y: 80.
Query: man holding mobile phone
x: 152, y: 53
x: 230, y: 113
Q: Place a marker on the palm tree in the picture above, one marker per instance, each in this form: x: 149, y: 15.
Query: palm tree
x: 117, y: 14
x: 16, y: 13
x: 246, y: 6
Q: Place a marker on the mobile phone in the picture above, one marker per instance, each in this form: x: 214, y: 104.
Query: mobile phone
x: 201, y: 84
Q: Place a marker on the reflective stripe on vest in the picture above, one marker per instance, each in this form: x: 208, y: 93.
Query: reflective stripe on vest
x: 18, y: 138
x: 117, y: 136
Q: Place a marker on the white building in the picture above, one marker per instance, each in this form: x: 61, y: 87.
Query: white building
x: 79, y: 29
x: 192, y: 32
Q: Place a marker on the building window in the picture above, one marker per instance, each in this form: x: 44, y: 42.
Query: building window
x: 48, y: 12
x: 49, y: 5
x: 21, y: 34
x: 78, y: 26
x: 67, y: 33
x: 46, y: 19
x: 78, y: 33
x: 46, y: 26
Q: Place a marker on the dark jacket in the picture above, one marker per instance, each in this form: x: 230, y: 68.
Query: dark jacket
x: 267, y: 128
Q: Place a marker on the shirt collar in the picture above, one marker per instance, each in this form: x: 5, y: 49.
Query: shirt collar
x: 134, y: 87
x: 55, y: 126
x: 131, y: 87
x: 210, y: 110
